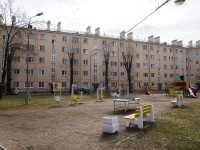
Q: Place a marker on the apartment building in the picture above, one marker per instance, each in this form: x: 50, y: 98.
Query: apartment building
x: 154, y: 62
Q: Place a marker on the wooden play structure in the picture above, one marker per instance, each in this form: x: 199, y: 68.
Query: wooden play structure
x: 146, y: 89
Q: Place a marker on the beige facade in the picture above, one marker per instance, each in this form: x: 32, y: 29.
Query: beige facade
x: 153, y: 61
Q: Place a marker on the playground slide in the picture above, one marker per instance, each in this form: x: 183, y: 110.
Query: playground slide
x: 191, y: 92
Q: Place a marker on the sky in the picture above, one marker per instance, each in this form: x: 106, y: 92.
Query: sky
x: 170, y: 22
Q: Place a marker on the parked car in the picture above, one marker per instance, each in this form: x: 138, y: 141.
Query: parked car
x: 85, y: 90
x: 14, y: 91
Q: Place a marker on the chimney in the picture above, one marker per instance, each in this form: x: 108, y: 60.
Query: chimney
x: 180, y: 43
x: 97, y: 31
x: 1, y: 19
x: 122, y: 35
x: 190, y: 44
x: 88, y: 30
x: 59, y: 26
x: 157, y: 39
x: 48, y: 24
x: 174, y: 42
x: 150, y: 39
x: 198, y: 43
x: 130, y: 36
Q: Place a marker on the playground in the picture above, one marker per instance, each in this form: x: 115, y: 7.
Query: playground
x: 77, y: 126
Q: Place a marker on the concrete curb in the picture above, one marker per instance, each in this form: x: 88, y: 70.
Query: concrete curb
x: 2, y: 147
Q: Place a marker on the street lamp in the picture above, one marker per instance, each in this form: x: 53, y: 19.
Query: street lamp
x: 27, y: 59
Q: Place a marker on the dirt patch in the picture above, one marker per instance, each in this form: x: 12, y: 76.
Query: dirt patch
x: 70, y: 127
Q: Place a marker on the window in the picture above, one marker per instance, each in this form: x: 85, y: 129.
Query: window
x: 113, y: 53
x: 164, y: 58
x: 85, y: 73
x: 145, y: 65
x: 31, y: 36
x: 170, y: 50
x: 122, y: 64
x: 64, y: 84
x: 171, y: 75
x: 137, y: 46
x: 75, y: 39
x: 16, y: 59
x: 64, y: 49
x: 165, y: 66
x: 95, y: 79
x: 104, y: 63
x: 137, y: 74
x: 75, y: 50
x: 85, y: 62
x: 41, y: 60
x: 30, y: 84
x: 176, y: 58
x: 104, y: 74
x: 42, y: 48
x: 176, y: 66
x: 16, y: 71
x: 171, y: 58
x: 113, y: 63
x: 164, y: 50
x: 152, y: 57
x: 64, y: 39
x: 64, y: 61
x: 85, y: 41
x: 42, y: 36
x: 41, y: 72
x: 121, y: 44
x: 31, y: 47
x: 52, y: 78
x: 113, y: 84
x: 95, y: 69
x: 122, y: 74
x: 113, y: 74
x: 145, y: 56
x: 113, y: 43
x: 95, y: 58
x: 165, y: 75
x: 16, y: 84
x: 53, y: 44
x: 145, y: 75
x: 75, y: 73
x: 151, y: 47
x: 30, y: 59
x: 137, y: 65
x: 30, y: 72
x: 76, y: 62
x: 152, y: 66
x: 104, y: 42
x: 144, y: 47
x: 85, y: 84
x: 41, y: 85
x: 53, y: 67
x: 64, y: 73
x: 137, y: 55
x: 85, y: 51
x: 53, y: 56
x: 152, y: 75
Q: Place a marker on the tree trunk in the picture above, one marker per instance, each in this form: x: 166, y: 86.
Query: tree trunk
x: 71, y: 72
x: 9, y: 79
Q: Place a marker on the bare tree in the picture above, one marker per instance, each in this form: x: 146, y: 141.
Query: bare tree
x: 12, y: 23
x: 127, y: 55
x: 106, y: 57
x: 73, y: 46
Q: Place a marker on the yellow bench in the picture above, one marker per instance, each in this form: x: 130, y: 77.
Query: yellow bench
x: 178, y: 102
x: 146, y: 111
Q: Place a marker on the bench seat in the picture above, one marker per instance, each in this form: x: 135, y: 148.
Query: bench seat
x: 146, y: 111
